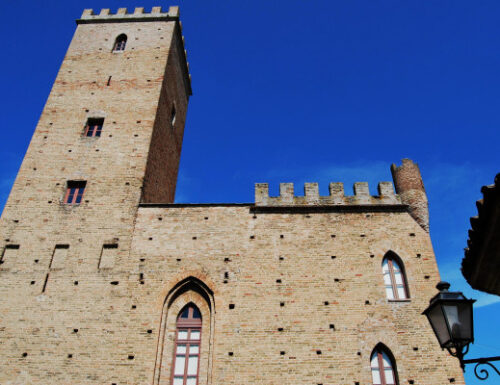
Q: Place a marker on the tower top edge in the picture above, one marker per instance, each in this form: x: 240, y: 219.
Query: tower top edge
x: 123, y: 15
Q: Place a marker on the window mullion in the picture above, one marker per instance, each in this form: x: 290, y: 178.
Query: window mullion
x: 381, y: 369
x: 186, y: 362
x: 393, y: 279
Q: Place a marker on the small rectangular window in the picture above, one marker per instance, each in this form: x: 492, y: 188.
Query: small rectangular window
x: 93, y: 127
x: 59, y: 257
x: 74, y: 192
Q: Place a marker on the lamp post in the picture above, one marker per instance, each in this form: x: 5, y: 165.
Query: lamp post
x: 450, y: 315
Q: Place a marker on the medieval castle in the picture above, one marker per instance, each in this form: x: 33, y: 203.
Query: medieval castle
x: 105, y: 280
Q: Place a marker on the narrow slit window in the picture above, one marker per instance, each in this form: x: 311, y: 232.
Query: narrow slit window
x: 394, y: 278
x: 120, y: 43
x: 93, y: 128
x: 187, y: 347
x: 173, y: 115
x: 74, y: 192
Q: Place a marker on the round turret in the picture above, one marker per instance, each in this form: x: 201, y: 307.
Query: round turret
x: 410, y: 187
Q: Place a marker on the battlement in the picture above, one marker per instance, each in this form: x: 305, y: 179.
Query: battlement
x: 122, y: 15
x: 336, y: 198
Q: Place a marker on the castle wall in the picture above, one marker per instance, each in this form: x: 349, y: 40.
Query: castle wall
x: 290, y: 288
x: 329, y: 264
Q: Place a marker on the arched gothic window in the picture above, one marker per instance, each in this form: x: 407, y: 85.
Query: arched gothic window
x: 187, y: 346
x: 120, y: 43
x: 383, y: 367
x: 394, y: 277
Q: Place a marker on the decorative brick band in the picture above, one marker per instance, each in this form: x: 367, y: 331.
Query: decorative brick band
x: 336, y: 198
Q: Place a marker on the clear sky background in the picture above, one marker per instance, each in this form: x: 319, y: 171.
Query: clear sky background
x: 307, y: 91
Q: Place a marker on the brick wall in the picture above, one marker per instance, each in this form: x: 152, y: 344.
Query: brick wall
x: 288, y: 295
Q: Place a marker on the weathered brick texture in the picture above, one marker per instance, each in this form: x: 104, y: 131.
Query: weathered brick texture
x: 290, y: 288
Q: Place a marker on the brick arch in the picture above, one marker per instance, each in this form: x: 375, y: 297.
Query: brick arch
x: 186, y: 291
x: 179, y: 280
x: 382, y: 247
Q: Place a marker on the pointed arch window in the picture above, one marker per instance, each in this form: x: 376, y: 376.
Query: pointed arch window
x: 396, y: 287
x: 120, y: 43
x: 383, y: 367
x: 187, y: 346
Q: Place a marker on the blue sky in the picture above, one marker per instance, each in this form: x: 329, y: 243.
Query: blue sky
x: 308, y: 91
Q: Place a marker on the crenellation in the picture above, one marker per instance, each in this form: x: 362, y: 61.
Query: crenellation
x: 173, y: 11
x: 385, y: 189
x: 336, y: 198
x: 311, y: 193
x: 336, y: 189
x: 361, y: 189
x: 286, y: 193
x: 261, y: 193
x: 122, y: 14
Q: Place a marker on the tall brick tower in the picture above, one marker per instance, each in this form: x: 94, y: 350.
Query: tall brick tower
x: 112, y: 128
x: 109, y: 137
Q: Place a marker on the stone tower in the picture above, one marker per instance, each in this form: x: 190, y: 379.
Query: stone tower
x: 138, y: 97
x: 112, y: 126
x: 105, y: 280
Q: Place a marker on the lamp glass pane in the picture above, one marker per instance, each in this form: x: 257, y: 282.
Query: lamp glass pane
x: 459, y: 316
x: 465, y: 319
x: 438, y: 322
x: 451, y: 312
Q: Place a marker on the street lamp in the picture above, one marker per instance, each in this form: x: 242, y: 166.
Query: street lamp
x: 450, y: 315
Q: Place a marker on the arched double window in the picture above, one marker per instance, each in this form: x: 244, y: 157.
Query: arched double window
x: 394, y: 277
x: 383, y: 367
x: 187, y: 346
x: 120, y: 43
